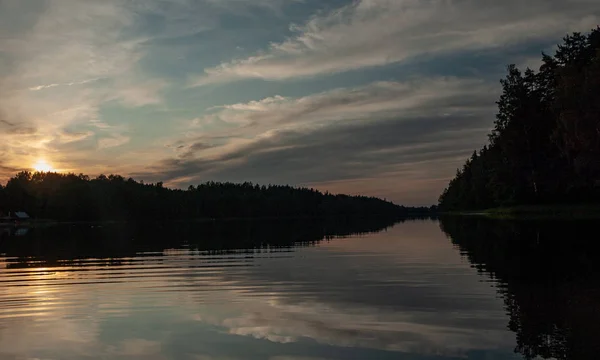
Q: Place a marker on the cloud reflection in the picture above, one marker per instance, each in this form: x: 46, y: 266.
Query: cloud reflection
x: 401, y: 293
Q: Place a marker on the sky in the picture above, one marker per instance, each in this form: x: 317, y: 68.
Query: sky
x: 377, y: 97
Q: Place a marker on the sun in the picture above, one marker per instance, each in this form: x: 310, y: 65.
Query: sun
x: 42, y: 166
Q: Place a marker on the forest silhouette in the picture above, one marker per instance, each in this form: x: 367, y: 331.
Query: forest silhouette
x: 545, y: 145
x: 70, y: 197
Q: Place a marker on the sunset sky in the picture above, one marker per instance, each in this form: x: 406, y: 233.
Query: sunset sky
x: 375, y: 97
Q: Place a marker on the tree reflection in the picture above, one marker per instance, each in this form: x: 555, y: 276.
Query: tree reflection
x: 66, y: 244
x: 548, y: 276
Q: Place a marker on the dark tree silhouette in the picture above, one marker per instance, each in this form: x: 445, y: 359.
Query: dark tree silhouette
x: 70, y: 197
x: 545, y: 145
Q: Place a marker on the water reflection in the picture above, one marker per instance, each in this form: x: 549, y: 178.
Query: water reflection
x: 6, y: 231
x: 64, y: 244
x: 291, y: 290
x: 549, y: 279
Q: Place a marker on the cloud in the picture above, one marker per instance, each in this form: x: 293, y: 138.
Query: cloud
x: 183, y: 18
x: 73, y: 136
x: 6, y: 170
x: 371, y: 33
x: 384, y: 99
x: 190, y: 150
x: 79, y: 41
x: 63, y: 63
x: 65, y: 60
x: 10, y: 128
x: 48, y: 86
x: 113, y: 141
x: 414, y: 130
x: 140, y: 93
x: 343, y: 151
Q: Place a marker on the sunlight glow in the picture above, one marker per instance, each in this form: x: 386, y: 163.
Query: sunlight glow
x: 42, y: 166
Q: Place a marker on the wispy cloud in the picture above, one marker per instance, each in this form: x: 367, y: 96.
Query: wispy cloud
x: 378, y: 32
x: 384, y: 129
x: 113, y: 141
x: 73, y: 136
x: 48, y: 86
x: 387, y: 99
x: 63, y: 62
x: 69, y: 61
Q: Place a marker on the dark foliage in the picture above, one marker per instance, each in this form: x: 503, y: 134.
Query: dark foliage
x: 545, y: 146
x: 69, y: 197
x: 547, y: 276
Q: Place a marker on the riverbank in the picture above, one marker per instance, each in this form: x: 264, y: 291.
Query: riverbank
x: 560, y: 211
x: 32, y: 223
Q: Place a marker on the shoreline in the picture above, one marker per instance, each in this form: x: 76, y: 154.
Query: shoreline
x: 527, y: 212
x: 50, y: 222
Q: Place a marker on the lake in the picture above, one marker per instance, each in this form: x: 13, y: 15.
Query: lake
x: 459, y: 288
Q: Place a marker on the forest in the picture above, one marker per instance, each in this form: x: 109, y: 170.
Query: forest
x: 545, y: 144
x: 70, y: 197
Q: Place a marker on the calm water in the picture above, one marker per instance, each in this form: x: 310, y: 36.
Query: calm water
x: 465, y: 288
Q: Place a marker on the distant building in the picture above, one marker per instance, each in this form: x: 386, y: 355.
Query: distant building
x: 15, y: 217
x: 21, y: 215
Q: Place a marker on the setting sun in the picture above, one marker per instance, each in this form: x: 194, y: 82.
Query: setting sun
x: 42, y: 166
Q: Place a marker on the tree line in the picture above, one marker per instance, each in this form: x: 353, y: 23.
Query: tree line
x: 545, y: 144
x: 71, y: 197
